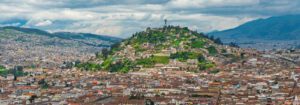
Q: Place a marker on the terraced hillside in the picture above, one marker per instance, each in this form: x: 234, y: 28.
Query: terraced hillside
x: 169, y: 47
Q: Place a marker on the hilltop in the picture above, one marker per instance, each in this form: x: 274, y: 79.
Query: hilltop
x: 170, y: 47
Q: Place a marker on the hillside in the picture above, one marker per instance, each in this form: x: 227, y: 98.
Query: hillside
x: 273, y: 28
x: 26, y: 46
x: 86, y: 37
x: 170, y: 47
x: 78, y: 36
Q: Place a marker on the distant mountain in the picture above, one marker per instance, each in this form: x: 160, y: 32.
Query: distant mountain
x: 71, y: 35
x: 27, y: 30
x: 273, y: 28
x: 63, y: 35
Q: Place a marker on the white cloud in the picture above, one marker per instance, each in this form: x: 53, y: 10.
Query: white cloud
x: 122, y: 18
x: 43, y: 23
x: 210, y: 3
x: 206, y: 23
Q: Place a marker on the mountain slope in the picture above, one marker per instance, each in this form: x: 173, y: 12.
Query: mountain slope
x: 27, y: 30
x: 168, y: 47
x: 83, y: 38
x: 62, y: 35
x: 26, y: 46
x: 273, y: 28
x: 70, y: 35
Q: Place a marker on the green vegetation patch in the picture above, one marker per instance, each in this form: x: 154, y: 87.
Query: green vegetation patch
x: 183, y: 56
x: 206, y: 65
x: 121, y: 66
x: 176, y: 43
x: 3, y: 71
x: 151, y: 61
x: 147, y: 62
x: 138, y: 48
x: 106, y: 63
x: 2, y: 67
x: 153, y: 36
x: 17, y: 71
x: 212, y: 50
x: 198, y: 43
x: 89, y: 66
x: 214, y: 71
x: 161, y: 59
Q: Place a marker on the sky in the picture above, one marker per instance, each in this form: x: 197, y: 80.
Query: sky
x: 121, y: 18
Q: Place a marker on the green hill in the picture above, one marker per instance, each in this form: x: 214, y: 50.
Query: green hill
x: 170, y: 46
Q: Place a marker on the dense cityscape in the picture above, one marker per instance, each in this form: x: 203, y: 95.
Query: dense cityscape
x: 256, y: 77
x: 149, y: 52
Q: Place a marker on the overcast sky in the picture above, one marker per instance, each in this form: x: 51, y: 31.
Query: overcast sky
x: 123, y: 17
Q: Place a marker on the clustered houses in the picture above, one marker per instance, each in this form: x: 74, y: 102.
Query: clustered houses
x: 257, y: 80
x: 51, y: 56
x: 130, y: 53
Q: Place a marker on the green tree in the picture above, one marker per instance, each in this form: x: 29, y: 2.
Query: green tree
x: 218, y: 41
x: 232, y: 44
x: 105, y: 53
x: 201, y: 58
x: 3, y: 71
x: 212, y: 50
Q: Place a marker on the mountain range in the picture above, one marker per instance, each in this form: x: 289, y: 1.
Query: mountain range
x: 274, y: 28
x: 273, y: 32
x: 61, y: 35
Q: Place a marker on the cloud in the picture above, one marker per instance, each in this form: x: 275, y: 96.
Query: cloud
x: 210, y: 3
x: 13, y: 22
x: 43, y: 23
x: 123, y: 17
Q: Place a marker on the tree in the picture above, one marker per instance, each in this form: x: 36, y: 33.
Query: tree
x: 77, y: 62
x: 218, y: 41
x: 114, y: 47
x: 32, y: 98
x: 201, y: 58
x: 212, y: 50
x: 212, y: 37
x: 232, y: 44
x: 242, y: 55
x: 149, y: 102
x: 17, y: 71
x: 105, y: 52
x: 43, y: 83
x: 3, y: 71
